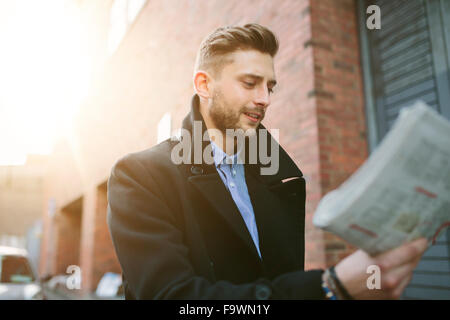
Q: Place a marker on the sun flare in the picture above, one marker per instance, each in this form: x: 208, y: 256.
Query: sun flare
x: 45, y: 72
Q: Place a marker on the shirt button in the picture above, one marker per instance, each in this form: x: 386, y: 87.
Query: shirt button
x: 234, y: 172
x: 232, y: 184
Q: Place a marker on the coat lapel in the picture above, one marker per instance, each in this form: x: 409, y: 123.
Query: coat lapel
x: 279, y: 227
x: 279, y: 208
x: 214, y: 191
x: 276, y: 228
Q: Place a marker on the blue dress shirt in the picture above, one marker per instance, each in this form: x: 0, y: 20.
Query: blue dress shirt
x: 233, y: 176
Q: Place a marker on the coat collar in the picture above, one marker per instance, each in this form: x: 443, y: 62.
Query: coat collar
x: 287, y: 167
x: 221, y: 158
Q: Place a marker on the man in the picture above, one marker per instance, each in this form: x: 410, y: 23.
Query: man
x: 221, y: 229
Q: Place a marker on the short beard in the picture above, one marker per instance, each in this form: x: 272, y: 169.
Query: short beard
x: 222, y: 117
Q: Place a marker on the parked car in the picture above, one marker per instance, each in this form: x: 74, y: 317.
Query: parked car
x: 110, y: 287
x: 18, y: 279
x: 56, y: 288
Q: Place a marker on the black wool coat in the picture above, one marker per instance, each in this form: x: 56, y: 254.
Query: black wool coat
x: 179, y: 235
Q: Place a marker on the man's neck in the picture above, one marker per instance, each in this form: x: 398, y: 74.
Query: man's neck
x: 221, y: 141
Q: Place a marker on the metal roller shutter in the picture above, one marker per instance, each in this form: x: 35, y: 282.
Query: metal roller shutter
x: 406, y: 60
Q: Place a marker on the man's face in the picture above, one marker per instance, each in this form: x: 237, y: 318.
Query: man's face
x: 242, y: 93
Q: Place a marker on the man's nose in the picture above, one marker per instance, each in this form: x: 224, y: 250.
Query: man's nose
x: 262, y: 98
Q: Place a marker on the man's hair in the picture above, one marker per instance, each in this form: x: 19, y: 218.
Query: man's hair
x: 213, y: 51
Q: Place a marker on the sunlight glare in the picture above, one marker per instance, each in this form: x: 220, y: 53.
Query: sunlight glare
x: 45, y: 72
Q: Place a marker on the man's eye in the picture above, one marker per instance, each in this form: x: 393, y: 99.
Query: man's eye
x: 249, y: 84
x: 270, y: 90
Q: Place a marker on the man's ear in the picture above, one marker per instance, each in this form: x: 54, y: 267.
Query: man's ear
x: 202, y: 84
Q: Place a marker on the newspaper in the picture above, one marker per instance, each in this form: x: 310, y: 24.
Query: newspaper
x: 402, y: 192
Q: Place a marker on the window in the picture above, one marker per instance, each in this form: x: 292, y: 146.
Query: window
x: 122, y: 15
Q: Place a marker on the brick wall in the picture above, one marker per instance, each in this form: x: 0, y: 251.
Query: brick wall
x: 104, y: 258
x: 67, y: 224
x: 338, y: 92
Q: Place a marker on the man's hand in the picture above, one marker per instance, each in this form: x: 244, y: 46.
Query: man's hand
x: 396, y: 268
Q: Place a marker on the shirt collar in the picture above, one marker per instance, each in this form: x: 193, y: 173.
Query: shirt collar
x: 221, y: 158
